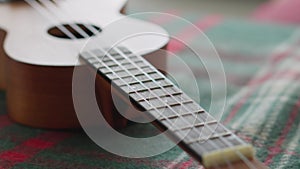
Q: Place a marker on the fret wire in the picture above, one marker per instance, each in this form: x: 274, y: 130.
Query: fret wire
x: 164, y: 106
x: 196, y: 125
x: 212, y: 137
x: 211, y: 122
x: 167, y: 105
x: 164, y: 97
x: 140, y: 90
x: 145, y: 81
x: 186, y: 114
x: 179, y: 127
x: 199, y: 120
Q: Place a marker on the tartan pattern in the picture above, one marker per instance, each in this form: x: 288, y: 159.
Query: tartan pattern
x: 260, y: 61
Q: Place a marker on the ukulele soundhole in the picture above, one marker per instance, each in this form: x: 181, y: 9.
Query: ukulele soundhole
x: 76, y: 30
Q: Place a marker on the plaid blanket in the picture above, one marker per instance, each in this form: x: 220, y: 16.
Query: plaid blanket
x: 281, y: 11
x: 261, y: 65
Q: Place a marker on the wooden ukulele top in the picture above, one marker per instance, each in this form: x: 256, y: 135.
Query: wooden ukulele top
x: 28, y: 40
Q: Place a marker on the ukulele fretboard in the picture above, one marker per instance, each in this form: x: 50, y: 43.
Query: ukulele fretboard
x: 201, y: 134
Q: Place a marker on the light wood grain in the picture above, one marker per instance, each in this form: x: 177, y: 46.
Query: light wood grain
x: 2, y: 61
x: 40, y: 96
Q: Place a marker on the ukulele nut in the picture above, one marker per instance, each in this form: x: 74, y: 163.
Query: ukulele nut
x: 224, y: 156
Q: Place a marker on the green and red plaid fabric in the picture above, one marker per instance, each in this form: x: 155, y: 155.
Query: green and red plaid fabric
x: 261, y: 66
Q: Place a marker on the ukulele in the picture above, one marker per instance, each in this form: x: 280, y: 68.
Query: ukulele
x: 37, y: 58
x: 38, y: 78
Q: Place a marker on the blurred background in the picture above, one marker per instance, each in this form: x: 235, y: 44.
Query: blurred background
x: 230, y: 8
x: 278, y: 11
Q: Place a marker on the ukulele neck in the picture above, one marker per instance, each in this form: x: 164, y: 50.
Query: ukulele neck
x: 199, y: 133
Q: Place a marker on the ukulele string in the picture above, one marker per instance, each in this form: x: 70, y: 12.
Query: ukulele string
x: 82, y: 33
x: 54, y: 9
x: 46, y: 14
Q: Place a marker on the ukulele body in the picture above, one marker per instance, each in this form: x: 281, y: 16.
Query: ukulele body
x: 36, y: 68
